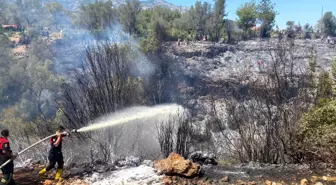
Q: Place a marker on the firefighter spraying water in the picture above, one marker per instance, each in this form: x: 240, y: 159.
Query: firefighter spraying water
x: 121, y: 117
x: 55, y: 154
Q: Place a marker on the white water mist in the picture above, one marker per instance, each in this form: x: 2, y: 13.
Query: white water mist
x: 133, y: 114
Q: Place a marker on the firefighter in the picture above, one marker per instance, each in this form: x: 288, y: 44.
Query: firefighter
x: 5, y: 155
x: 55, y: 154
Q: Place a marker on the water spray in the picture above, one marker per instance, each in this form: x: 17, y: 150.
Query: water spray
x: 133, y: 114
x: 122, y: 117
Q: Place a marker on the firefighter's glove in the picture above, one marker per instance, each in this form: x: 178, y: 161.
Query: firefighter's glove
x: 65, y: 133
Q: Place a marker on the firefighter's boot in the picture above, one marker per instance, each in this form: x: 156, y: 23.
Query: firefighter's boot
x: 42, y: 173
x: 7, y: 179
x: 59, y: 173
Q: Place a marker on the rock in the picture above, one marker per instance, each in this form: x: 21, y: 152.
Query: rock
x: 103, y: 168
x: 330, y: 179
x: 176, y: 165
x: 318, y: 183
x: 267, y: 182
x: 313, y: 179
x: 95, y: 177
x: 167, y: 181
x: 240, y: 182
x: 128, y: 161
x: 76, y: 171
x: 203, y: 158
x: 304, y: 182
x: 79, y: 182
x: 48, y: 182
x: 148, y: 163
x: 225, y: 179
x: 254, y: 165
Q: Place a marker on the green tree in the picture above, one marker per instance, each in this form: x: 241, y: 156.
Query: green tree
x: 328, y: 22
x: 8, y: 89
x: 317, y: 134
x: 229, y: 28
x: 30, y: 12
x: 200, y: 15
x: 182, y: 27
x: 157, y: 34
x: 145, y: 17
x: 324, y: 89
x: 129, y: 14
x: 333, y: 69
x: 18, y: 126
x: 3, y: 12
x: 266, y: 16
x: 290, y: 29
x: 317, y: 129
x: 247, y: 15
x: 218, y: 18
x: 156, y: 26
x: 308, y: 30
x: 41, y: 49
x: 40, y: 88
x: 30, y: 85
x: 96, y: 17
x: 55, y: 9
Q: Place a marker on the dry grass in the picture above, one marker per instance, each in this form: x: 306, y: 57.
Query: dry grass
x: 15, y: 37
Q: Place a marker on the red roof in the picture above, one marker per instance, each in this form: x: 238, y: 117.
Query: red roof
x: 9, y: 26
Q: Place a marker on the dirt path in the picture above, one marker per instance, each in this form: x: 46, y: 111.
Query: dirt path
x: 27, y: 177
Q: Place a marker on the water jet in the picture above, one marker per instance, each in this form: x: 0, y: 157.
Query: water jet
x: 121, y: 117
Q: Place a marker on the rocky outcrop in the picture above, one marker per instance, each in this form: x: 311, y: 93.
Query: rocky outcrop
x: 228, y: 71
x: 218, y: 62
x: 176, y: 165
x: 203, y: 158
x: 128, y: 161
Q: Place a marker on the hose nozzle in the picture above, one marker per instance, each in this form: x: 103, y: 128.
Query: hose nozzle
x: 74, y: 131
x: 66, y: 133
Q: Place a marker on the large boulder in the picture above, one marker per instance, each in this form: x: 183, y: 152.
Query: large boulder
x: 175, y: 164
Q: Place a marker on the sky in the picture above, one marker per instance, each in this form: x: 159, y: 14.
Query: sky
x: 300, y: 11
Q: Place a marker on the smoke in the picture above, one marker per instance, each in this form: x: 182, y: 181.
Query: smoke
x: 70, y: 51
x: 133, y: 114
x: 142, y: 65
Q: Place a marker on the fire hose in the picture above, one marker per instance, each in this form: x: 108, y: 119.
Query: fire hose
x: 31, y: 146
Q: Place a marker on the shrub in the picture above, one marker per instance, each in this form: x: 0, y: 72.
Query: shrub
x: 318, y: 133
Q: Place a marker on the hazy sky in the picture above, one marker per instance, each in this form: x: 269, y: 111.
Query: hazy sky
x: 303, y: 11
